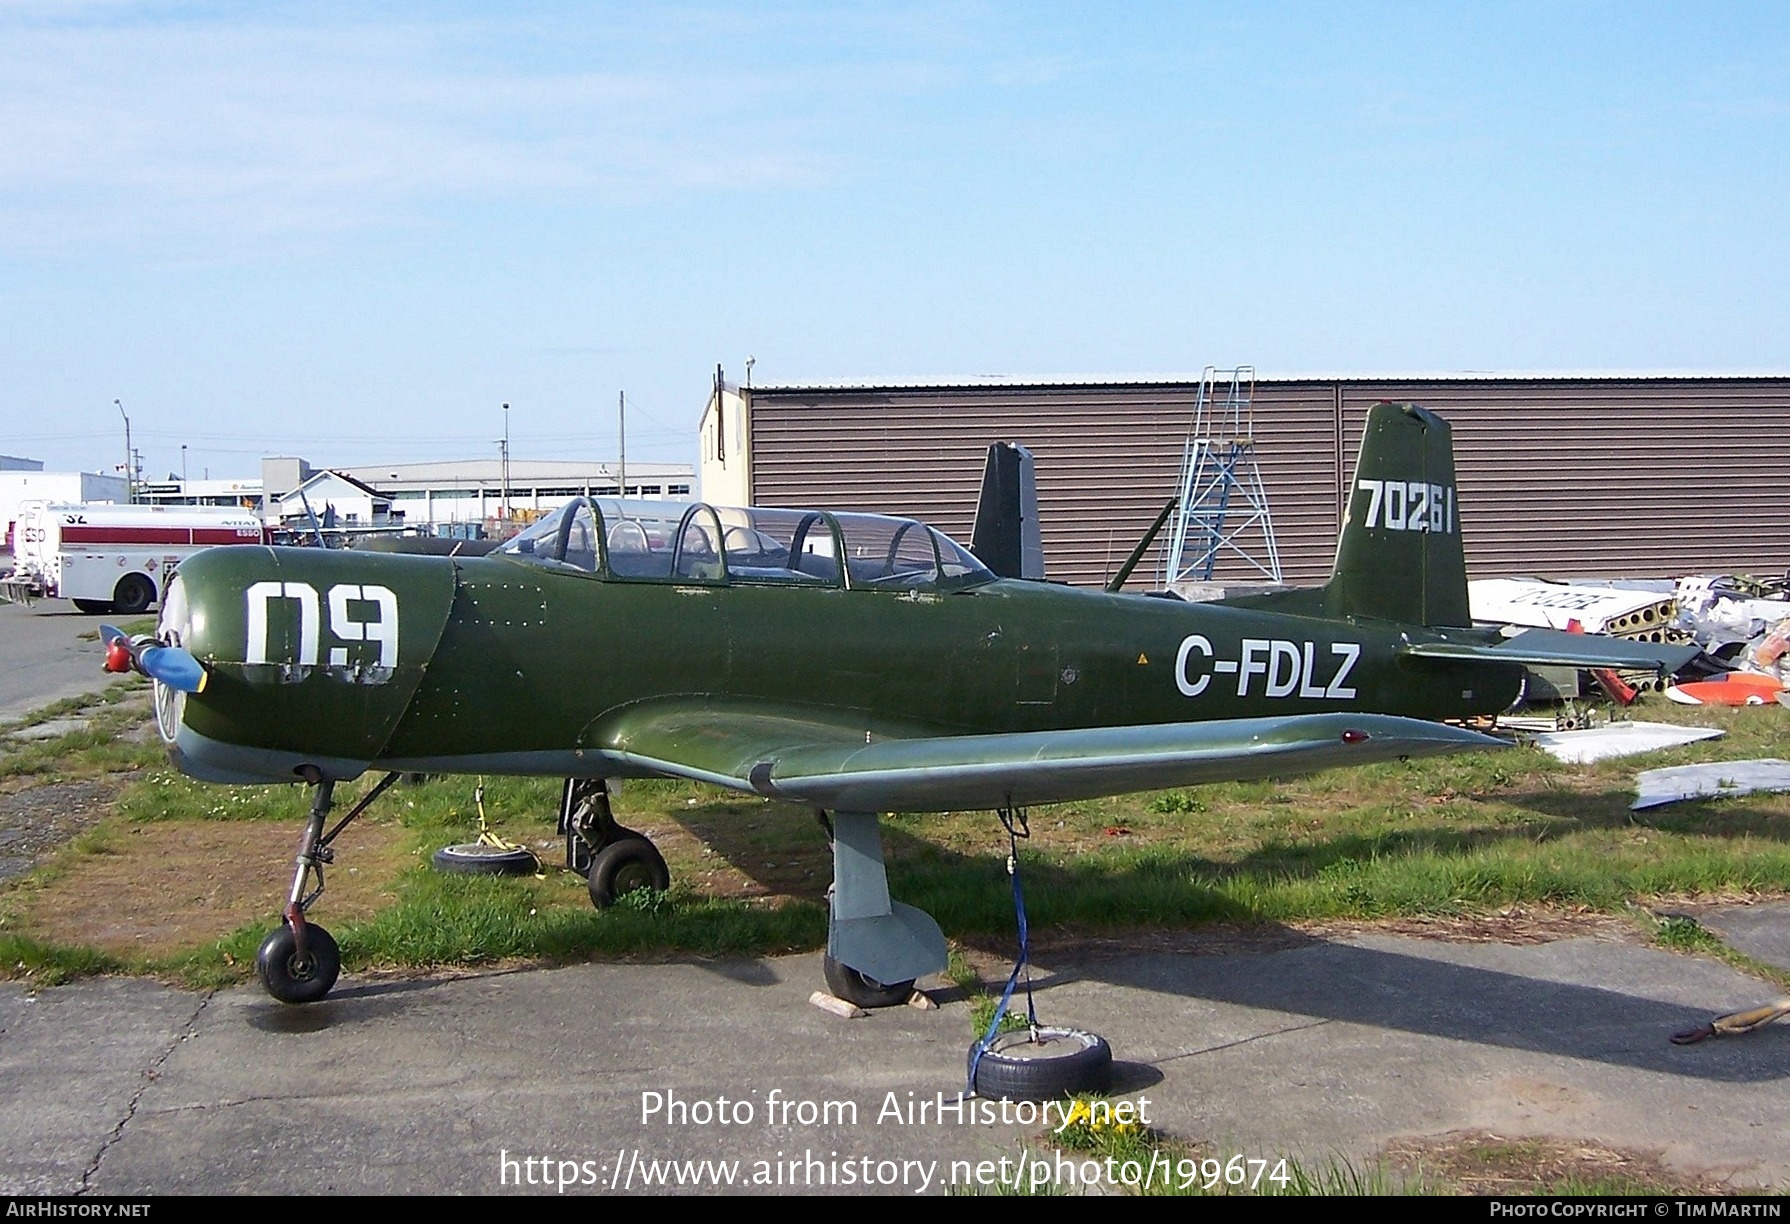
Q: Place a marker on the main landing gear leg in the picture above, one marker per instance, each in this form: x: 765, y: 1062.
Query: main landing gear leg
x: 876, y: 947
x: 299, y: 962
x: 613, y: 858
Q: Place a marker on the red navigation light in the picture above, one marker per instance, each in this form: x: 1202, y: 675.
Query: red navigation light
x: 1354, y: 737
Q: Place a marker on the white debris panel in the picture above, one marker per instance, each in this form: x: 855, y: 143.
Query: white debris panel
x: 1718, y: 780
x: 1619, y: 740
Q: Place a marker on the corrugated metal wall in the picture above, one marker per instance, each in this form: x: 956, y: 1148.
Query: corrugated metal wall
x: 1610, y: 477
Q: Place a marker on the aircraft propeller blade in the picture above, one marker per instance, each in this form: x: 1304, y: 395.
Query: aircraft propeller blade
x: 173, y: 666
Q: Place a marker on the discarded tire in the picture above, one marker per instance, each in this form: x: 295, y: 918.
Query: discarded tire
x: 1062, y: 1062
x: 476, y: 858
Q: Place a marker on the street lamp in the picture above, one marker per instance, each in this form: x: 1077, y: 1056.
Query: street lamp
x: 130, y: 492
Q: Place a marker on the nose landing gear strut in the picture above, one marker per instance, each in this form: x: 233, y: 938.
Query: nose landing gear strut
x: 299, y: 961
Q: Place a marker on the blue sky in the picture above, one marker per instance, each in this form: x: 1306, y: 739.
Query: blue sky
x: 352, y: 231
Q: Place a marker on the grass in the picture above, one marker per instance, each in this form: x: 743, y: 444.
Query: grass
x: 104, y: 745
x: 48, y: 964
x: 1146, y: 1164
x: 130, y: 628
x: 1448, y: 837
x: 1681, y: 933
x: 1097, y: 1151
x: 982, y: 1015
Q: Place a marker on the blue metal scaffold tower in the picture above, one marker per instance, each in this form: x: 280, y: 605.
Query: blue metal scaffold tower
x: 1223, y: 507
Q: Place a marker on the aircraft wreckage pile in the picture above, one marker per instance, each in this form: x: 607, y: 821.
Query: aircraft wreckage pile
x: 1741, y: 625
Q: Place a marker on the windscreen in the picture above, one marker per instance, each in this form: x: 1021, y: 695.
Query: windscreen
x: 539, y: 542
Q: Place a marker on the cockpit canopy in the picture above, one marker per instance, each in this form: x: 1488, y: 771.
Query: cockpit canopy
x: 680, y: 542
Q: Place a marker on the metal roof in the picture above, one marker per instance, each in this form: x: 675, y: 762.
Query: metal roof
x: 1321, y: 376
x: 522, y: 471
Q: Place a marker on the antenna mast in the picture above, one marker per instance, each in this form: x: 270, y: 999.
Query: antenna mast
x: 1218, y: 466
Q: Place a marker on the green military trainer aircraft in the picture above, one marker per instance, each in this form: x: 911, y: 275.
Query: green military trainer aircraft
x: 851, y: 662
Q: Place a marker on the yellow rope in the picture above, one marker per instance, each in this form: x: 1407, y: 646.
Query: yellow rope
x: 488, y: 837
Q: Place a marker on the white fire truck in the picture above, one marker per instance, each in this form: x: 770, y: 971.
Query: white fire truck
x: 113, y: 558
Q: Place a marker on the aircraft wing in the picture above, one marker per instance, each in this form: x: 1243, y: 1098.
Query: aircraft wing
x: 839, y: 767
x: 1551, y: 647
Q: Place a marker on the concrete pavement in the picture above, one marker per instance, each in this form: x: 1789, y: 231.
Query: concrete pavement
x: 1318, y: 1048
x: 43, y: 658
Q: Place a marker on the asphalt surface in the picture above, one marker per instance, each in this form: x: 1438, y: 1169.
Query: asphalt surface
x: 1319, y: 1049
x: 43, y: 658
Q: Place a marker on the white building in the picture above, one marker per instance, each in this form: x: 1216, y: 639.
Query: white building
x: 231, y: 494
x: 333, y: 499
x: 473, y: 490
x: 449, y: 495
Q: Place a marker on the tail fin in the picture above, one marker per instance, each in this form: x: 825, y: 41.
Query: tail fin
x: 1005, y: 535
x: 1400, y: 557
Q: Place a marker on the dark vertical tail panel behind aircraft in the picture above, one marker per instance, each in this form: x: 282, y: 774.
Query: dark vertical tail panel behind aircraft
x: 1005, y: 536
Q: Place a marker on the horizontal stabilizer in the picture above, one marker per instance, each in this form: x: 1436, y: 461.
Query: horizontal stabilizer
x: 1552, y: 648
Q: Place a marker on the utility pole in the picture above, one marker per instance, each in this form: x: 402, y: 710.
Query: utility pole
x: 622, y: 411
x: 183, y: 469
x: 506, y: 463
x: 130, y: 492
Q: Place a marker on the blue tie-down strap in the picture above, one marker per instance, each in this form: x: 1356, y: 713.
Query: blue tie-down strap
x: 1019, y: 966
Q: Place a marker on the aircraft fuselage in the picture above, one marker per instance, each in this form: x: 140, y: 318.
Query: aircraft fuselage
x: 350, y: 661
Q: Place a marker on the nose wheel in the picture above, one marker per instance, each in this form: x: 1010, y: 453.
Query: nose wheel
x: 299, y: 962
x: 295, y: 976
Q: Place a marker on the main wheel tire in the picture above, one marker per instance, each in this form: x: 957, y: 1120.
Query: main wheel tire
x: 292, y: 978
x: 133, y: 595
x: 476, y: 858
x: 1061, y: 1063
x: 847, y: 983
x: 93, y: 607
x: 622, y: 867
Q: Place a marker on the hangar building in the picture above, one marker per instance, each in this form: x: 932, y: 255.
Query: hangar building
x: 1608, y: 475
